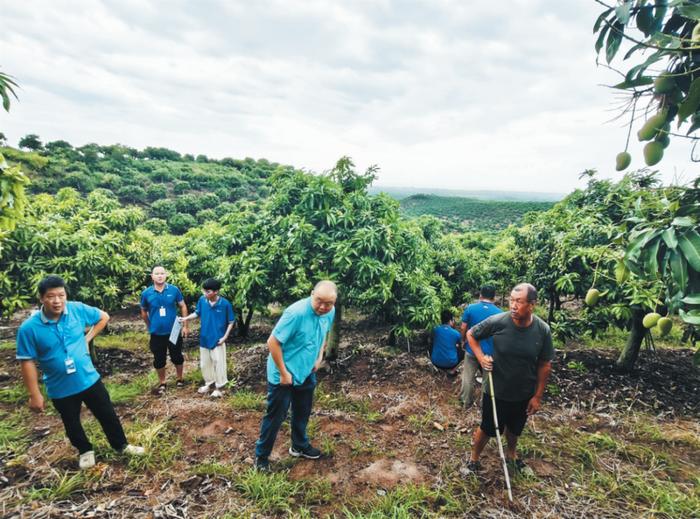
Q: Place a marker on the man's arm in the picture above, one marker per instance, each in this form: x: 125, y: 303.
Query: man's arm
x: 463, y: 332
x: 486, y: 361
x: 544, y: 368
x: 275, y: 348
x: 144, y: 316
x: 183, y: 312
x: 191, y: 316
x: 319, y: 359
x: 98, y: 327
x: 228, y: 331
x: 30, y: 375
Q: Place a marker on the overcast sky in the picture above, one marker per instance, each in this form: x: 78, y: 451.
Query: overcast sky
x: 438, y: 93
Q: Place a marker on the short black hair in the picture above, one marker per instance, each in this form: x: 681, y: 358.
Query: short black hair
x: 50, y: 282
x: 530, y: 290
x: 488, y: 291
x: 212, y: 284
x: 446, y: 316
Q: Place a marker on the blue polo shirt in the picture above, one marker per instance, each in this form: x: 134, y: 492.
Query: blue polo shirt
x: 446, y: 340
x: 215, y: 320
x: 473, y: 315
x: 152, y: 301
x: 301, y: 332
x: 50, y: 343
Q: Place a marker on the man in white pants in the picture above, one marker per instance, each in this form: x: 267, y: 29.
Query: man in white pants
x: 218, y: 319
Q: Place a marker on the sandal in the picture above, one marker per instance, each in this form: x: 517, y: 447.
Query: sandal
x: 180, y: 383
x: 160, y: 390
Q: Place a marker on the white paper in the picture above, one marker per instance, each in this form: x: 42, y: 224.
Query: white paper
x: 175, y: 332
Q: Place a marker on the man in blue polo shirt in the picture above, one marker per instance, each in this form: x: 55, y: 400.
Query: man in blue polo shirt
x: 159, y: 304
x: 55, y: 338
x: 296, y: 351
x: 218, y: 319
x: 473, y: 315
x: 446, y: 348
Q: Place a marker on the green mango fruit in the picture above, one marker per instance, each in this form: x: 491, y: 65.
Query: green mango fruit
x: 652, y: 126
x: 592, y: 296
x: 665, y: 324
x: 645, y: 20
x: 696, y: 33
x: 622, y: 161
x: 664, y: 84
x: 650, y: 320
x: 663, y: 139
x: 653, y: 153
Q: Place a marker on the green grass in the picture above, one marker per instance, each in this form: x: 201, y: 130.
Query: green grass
x: 245, y: 400
x: 213, y: 468
x: 15, y: 394
x: 61, y: 487
x: 271, y: 492
x: 362, y: 407
x: 123, y: 393
x: 7, y: 345
x: 405, y: 502
x: 123, y: 340
x: 13, y: 433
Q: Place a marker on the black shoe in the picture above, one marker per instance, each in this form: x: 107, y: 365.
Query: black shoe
x: 160, y: 390
x: 180, y: 383
x: 518, y: 466
x: 472, y: 468
x: 309, y: 452
x: 262, y: 464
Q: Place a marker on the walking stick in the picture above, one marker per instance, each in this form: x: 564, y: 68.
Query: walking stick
x: 498, y: 437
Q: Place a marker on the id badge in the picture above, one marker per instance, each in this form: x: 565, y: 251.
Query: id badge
x: 70, y: 366
x: 161, y: 312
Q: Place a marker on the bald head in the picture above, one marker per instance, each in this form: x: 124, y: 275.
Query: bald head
x: 323, y: 297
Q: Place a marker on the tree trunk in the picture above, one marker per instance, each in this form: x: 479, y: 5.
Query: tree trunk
x: 244, y: 324
x: 550, y: 316
x: 334, y: 336
x: 629, y: 354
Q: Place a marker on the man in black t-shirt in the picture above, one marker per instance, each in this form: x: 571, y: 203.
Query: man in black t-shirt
x: 520, y: 366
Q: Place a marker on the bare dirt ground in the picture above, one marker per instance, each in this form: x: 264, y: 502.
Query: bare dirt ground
x: 386, y: 421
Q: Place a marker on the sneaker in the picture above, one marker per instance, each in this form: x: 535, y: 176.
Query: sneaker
x: 86, y: 460
x: 216, y: 394
x: 180, y: 383
x: 204, y: 389
x: 518, y: 466
x: 134, y: 450
x: 160, y: 390
x: 262, y: 464
x: 472, y: 468
x: 309, y: 452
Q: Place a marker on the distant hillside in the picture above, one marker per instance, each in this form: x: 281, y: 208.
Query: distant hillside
x: 400, y: 193
x: 486, y: 215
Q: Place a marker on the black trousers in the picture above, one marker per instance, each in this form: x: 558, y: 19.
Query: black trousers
x: 97, y: 400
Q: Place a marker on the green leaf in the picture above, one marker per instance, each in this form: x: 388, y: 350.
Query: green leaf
x: 692, y: 299
x: 623, y: 12
x: 691, y: 102
x: 600, y: 19
x: 689, y: 243
x: 669, y: 236
x: 690, y: 11
x: 679, y: 270
x: 612, y: 44
x: 689, y: 317
x: 683, y: 221
x: 650, y: 252
x: 640, y: 81
x: 601, y: 38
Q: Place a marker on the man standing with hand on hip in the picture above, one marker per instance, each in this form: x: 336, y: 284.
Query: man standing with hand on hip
x: 520, y: 366
x: 296, y: 349
x: 159, y: 304
x: 55, y: 338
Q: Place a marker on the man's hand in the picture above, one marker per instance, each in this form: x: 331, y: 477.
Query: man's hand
x: 185, y: 330
x: 286, y: 379
x: 36, y: 403
x: 221, y: 341
x: 534, y: 405
x: 487, y: 363
x: 317, y: 365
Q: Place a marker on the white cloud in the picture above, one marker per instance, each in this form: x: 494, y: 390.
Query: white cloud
x: 468, y: 95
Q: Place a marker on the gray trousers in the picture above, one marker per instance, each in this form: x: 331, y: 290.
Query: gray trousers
x: 470, y: 368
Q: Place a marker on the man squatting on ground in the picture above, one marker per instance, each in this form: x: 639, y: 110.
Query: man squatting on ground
x: 521, y: 364
x: 55, y: 338
x: 296, y: 345
x: 446, y: 345
x: 159, y: 304
x: 473, y: 315
x: 218, y: 319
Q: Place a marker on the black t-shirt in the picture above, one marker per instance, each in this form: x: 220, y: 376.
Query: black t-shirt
x: 517, y: 351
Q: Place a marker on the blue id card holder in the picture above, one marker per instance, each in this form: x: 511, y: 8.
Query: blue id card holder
x: 70, y: 366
